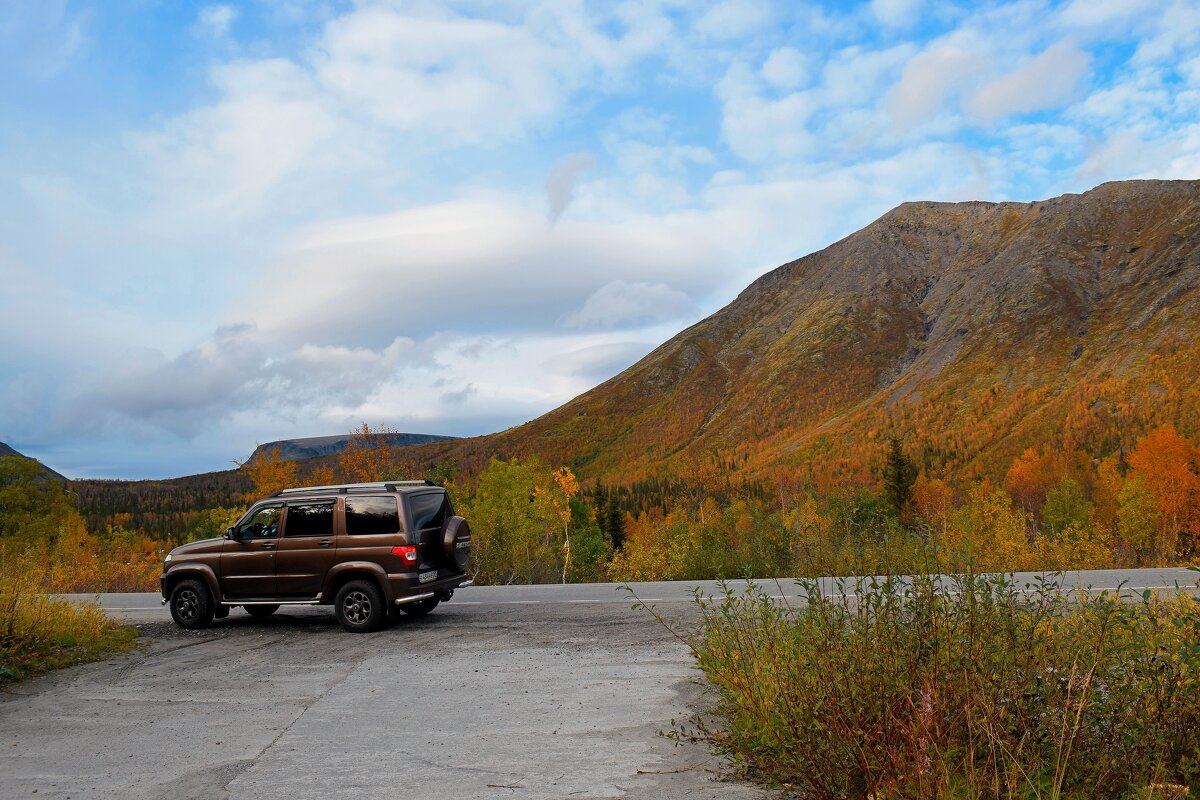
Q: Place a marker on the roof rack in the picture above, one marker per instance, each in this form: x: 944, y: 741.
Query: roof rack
x: 346, y: 487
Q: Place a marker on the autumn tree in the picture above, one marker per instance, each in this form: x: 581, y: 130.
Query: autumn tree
x: 1137, y: 517
x: 369, y: 455
x: 568, y: 487
x: 934, y: 500
x: 31, y: 504
x: 1065, y: 506
x: 270, y: 472
x: 1028, y: 480
x: 517, y: 518
x: 1167, y: 464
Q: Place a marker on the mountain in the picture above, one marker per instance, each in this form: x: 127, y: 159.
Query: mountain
x: 5, y: 450
x: 313, y: 446
x: 976, y: 329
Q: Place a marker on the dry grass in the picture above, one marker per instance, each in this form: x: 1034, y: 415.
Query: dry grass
x: 39, y: 632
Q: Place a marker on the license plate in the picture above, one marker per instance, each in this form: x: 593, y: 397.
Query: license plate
x: 426, y: 577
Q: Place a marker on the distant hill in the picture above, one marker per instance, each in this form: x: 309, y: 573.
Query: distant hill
x: 5, y: 450
x: 314, y: 446
x: 977, y: 329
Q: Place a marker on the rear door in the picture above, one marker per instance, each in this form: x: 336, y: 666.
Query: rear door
x: 307, y: 548
x: 429, y: 512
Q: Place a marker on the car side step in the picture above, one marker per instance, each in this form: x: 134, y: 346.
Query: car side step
x: 316, y: 601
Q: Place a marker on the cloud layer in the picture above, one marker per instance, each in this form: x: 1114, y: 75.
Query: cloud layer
x: 451, y: 217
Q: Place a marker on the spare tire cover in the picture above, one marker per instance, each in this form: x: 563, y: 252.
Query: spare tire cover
x: 456, y: 542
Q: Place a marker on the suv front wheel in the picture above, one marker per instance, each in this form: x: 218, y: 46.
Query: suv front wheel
x: 192, y: 604
x: 360, y: 606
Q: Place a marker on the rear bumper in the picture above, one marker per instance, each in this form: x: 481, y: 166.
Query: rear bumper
x: 406, y: 587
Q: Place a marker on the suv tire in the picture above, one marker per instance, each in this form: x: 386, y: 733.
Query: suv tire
x: 456, y: 543
x: 421, y: 607
x: 360, y: 606
x: 192, y: 604
x: 259, y: 612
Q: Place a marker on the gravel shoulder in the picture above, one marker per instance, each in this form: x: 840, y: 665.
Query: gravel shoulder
x: 470, y: 702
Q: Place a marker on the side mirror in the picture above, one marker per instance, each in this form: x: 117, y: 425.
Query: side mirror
x: 231, y: 533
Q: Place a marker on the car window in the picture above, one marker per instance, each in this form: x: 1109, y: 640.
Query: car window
x: 309, y: 519
x: 430, y: 510
x: 264, y: 524
x: 368, y: 515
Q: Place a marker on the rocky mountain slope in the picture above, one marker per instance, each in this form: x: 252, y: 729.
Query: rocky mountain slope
x: 313, y: 446
x: 5, y: 450
x: 976, y: 329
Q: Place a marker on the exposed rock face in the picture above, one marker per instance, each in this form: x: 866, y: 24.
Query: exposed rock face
x: 980, y: 327
x: 313, y: 446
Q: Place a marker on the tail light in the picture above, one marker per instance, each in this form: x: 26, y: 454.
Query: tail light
x: 407, y: 553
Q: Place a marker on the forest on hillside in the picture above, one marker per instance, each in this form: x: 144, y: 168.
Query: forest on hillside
x: 535, y: 522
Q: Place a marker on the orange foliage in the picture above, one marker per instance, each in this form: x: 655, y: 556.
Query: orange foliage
x: 1167, y: 463
x: 368, y: 456
x: 1028, y: 480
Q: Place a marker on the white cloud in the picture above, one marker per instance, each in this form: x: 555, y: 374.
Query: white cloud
x: 216, y: 20
x: 785, y: 68
x: 1088, y: 13
x: 758, y: 127
x: 470, y: 79
x: 931, y: 77
x: 896, y: 13
x: 229, y: 156
x: 464, y: 266
x: 732, y: 19
x: 625, y: 303
x: 1048, y: 80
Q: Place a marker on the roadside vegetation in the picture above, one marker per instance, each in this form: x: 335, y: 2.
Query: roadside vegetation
x: 966, y: 688
x: 39, y: 632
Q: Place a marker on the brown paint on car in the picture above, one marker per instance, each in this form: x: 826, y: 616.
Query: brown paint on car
x: 332, y: 545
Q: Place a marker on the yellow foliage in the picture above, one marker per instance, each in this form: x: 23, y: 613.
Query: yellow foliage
x: 270, y: 472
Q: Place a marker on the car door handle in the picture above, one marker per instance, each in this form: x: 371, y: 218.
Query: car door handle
x: 267, y: 545
x: 326, y: 542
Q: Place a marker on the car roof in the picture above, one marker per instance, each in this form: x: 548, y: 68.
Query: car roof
x: 398, y: 487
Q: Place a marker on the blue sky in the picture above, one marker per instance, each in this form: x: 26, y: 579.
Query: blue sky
x: 234, y: 222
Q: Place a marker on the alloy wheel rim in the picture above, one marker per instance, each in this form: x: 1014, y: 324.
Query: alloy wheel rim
x: 186, y: 603
x: 357, y: 607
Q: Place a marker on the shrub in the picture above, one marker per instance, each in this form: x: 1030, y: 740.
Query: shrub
x: 955, y: 688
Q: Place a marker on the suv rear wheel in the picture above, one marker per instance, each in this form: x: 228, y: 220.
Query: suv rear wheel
x: 191, y: 604
x: 360, y: 606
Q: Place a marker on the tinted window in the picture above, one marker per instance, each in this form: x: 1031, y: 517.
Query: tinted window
x: 309, y: 519
x: 430, y: 510
x: 264, y: 524
x: 367, y: 515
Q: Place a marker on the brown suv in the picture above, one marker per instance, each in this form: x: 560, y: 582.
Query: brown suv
x: 369, y: 549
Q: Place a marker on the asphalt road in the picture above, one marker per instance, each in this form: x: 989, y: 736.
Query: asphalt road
x: 525, y: 692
